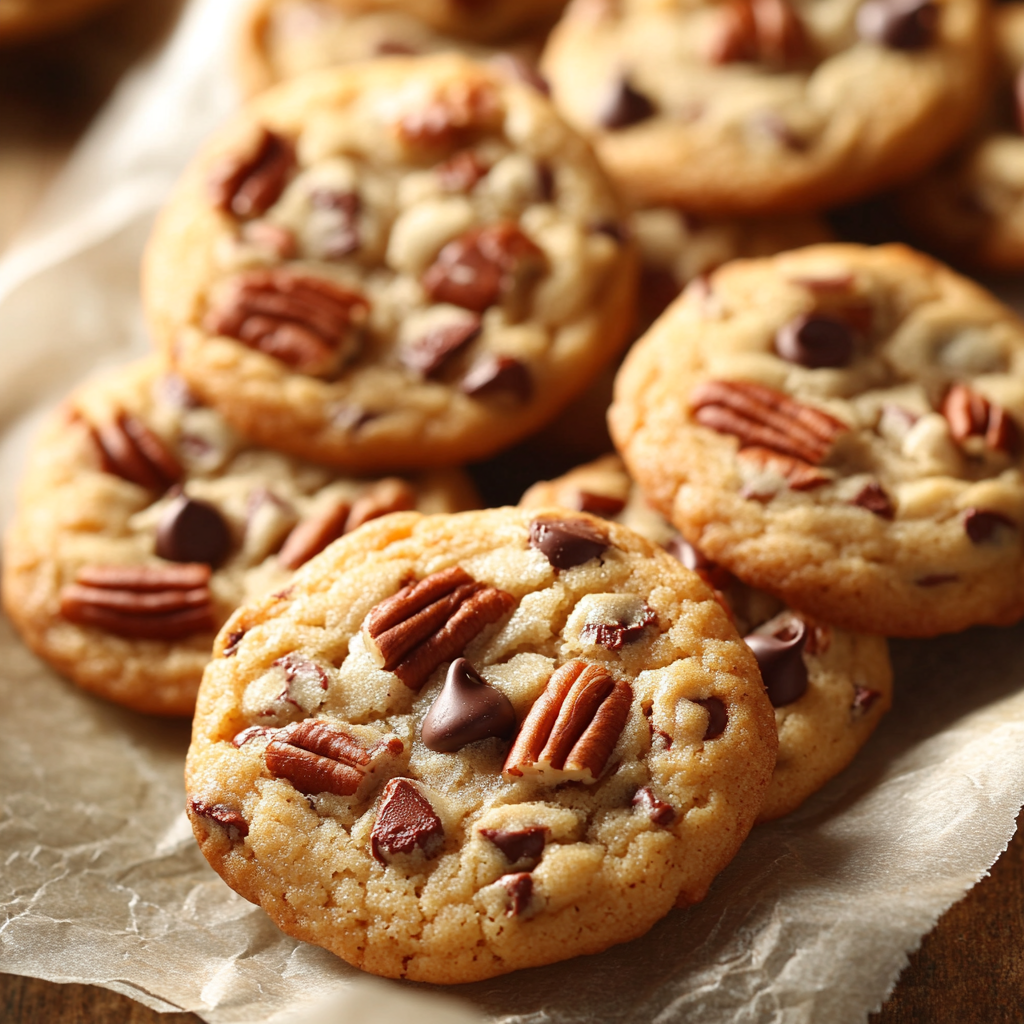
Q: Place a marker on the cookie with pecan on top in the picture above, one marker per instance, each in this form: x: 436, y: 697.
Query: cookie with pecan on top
x: 144, y: 520
x: 840, y: 426
x: 402, y: 263
x: 537, y: 733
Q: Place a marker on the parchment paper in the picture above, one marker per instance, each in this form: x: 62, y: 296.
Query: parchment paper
x: 101, y: 881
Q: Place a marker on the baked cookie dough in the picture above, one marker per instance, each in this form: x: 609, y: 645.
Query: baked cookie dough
x: 144, y: 520
x: 760, y: 106
x: 829, y: 687
x: 839, y: 426
x: 22, y: 20
x: 516, y: 737
x: 403, y: 263
x: 970, y: 209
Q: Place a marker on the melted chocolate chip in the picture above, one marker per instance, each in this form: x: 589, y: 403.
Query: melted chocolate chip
x: 780, y: 656
x: 192, y: 531
x: 405, y: 822
x: 234, y: 639
x: 982, y: 524
x: 627, y: 629
x: 300, y: 674
x: 566, y: 542
x: 603, y: 505
x: 624, y: 106
x: 227, y: 817
x: 815, y: 341
x: 466, y: 710
x: 718, y: 717
x: 898, y: 24
x: 523, y: 844
x: 429, y: 352
x: 874, y: 499
x: 498, y: 375
x: 657, y: 810
x: 520, y: 889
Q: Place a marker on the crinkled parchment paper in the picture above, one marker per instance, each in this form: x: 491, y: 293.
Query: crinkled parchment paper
x: 102, y: 883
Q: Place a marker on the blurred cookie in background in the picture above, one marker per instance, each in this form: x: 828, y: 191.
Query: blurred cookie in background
x: 24, y: 20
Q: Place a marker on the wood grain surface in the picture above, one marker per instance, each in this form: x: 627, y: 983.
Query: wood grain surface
x: 969, y: 970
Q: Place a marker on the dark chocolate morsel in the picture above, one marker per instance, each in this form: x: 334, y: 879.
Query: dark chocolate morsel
x: 718, y: 717
x: 657, y: 810
x: 227, y: 817
x: 523, y: 844
x: 874, y: 499
x: 192, y: 531
x: 234, y: 639
x: 624, y: 106
x: 780, y: 656
x: 566, y: 542
x: 898, y: 24
x: 519, y: 888
x: 613, y: 636
x: 496, y: 375
x: 466, y: 710
x: 405, y: 822
x: 815, y: 341
x: 981, y: 524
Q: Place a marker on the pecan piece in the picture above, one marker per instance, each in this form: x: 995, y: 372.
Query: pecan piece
x: 766, y: 31
x: 309, y: 323
x: 572, y: 727
x: 800, y: 475
x: 405, y: 822
x: 970, y: 414
x: 248, y: 185
x: 141, y: 602
x: 316, y: 757
x: 430, y: 622
x: 130, y: 450
x: 314, y: 533
x: 452, y: 117
x: 763, y: 417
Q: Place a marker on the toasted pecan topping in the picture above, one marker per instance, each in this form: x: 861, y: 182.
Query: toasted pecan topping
x: 971, y: 414
x: 248, y: 184
x: 572, y: 727
x: 765, y: 31
x: 130, y: 450
x: 799, y: 475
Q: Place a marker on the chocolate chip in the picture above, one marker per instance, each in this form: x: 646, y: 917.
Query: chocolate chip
x: 718, y: 717
x: 874, y: 499
x: 613, y: 229
x: 227, y: 817
x: 192, y: 531
x: 466, y: 710
x: 520, y: 889
x: 498, y: 375
x: 546, y: 182
x: 981, y: 524
x: 863, y: 699
x: 302, y: 679
x: 898, y: 24
x: 627, y: 629
x: 710, y: 572
x: 405, y: 822
x: 234, y: 639
x: 624, y: 106
x: 780, y: 656
x: 429, y: 352
x: 815, y: 341
x: 603, y: 505
x: 566, y: 542
x: 657, y: 810
x: 523, y: 844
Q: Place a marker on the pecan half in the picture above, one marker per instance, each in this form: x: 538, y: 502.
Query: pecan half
x: 141, y: 602
x: 316, y: 757
x: 314, y: 533
x: 763, y: 417
x: 800, y: 475
x: 130, y: 450
x: 248, y: 184
x: 766, y: 31
x: 309, y: 323
x: 572, y: 727
x: 430, y: 622
x: 405, y: 822
x: 970, y: 414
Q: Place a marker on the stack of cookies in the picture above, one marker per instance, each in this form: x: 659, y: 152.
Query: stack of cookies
x: 447, y: 743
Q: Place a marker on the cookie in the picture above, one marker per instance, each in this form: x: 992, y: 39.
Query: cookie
x: 284, y: 38
x: 402, y: 263
x: 23, y: 20
x: 763, y: 106
x: 970, y: 209
x: 492, y: 21
x: 829, y: 687
x: 516, y: 737
x: 144, y: 520
x: 839, y: 426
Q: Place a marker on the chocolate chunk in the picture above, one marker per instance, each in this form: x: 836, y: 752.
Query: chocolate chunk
x: 898, y: 24
x: 192, y: 531
x: 627, y: 628
x: 523, y: 844
x: 981, y: 524
x: 624, y: 106
x: 566, y: 542
x: 498, y: 375
x: 429, y: 352
x: 718, y: 718
x: 603, y: 505
x: 780, y: 656
x: 342, y: 236
x: 815, y: 341
x: 520, y: 889
x: 657, y: 810
x: 874, y: 499
x: 405, y: 822
x: 227, y: 817
x: 466, y: 710
x: 233, y: 640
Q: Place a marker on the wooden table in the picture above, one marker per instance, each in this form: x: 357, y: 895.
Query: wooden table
x: 969, y: 970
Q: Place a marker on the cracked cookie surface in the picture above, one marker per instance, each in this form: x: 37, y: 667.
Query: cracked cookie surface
x: 514, y: 737
x: 395, y: 264
x: 144, y: 520
x: 839, y: 426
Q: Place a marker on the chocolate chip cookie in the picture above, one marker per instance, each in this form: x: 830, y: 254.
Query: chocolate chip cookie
x: 839, y: 426
x: 145, y: 520
x: 402, y: 263
x: 829, y: 687
x: 759, y: 106
x: 514, y: 737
